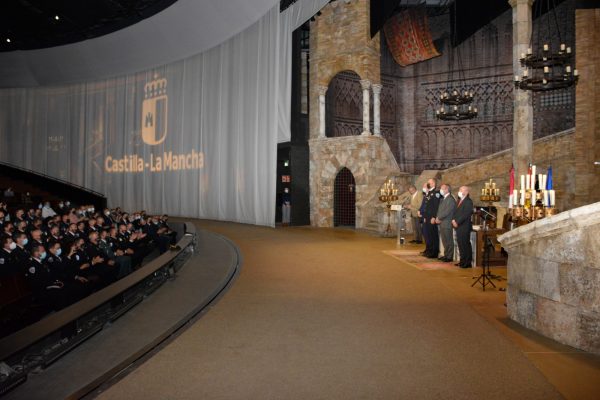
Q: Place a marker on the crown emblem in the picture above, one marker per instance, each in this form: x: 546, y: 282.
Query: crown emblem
x: 154, y: 111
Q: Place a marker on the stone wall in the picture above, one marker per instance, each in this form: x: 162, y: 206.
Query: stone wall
x: 556, y: 150
x: 587, y: 114
x: 340, y: 40
x: 370, y: 160
x: 554, y: 276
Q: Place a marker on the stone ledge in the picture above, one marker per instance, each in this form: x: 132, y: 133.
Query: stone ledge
x: 577, y: 218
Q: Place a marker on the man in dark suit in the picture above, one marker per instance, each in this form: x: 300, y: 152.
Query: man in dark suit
x: 444, y: 221
x: 461, y: 221
x: 431, y: 203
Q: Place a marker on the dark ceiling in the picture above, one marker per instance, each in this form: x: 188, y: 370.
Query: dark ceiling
x: 33, y: 24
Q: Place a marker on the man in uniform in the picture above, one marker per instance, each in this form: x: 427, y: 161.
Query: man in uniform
x: 7, y: 258
x: 431, y: 203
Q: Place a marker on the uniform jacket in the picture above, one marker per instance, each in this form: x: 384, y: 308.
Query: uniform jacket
x: 431, y: 203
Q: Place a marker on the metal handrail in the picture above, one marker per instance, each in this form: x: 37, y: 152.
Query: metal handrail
x: 7, y: 164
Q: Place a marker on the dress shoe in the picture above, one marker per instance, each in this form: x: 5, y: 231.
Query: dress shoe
x: 458, y: 264
x: 444, y: 259
x: 431, y: 256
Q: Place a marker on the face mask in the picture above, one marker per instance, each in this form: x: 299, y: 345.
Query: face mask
x: 43, y: 255
x: 25, y: 241
x: 12, y: 246
x: 58, y: 252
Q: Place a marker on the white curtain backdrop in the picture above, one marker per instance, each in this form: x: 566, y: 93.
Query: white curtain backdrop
x: 197, y: 137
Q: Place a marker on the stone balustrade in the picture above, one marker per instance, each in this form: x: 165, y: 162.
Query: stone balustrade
x: 554, y: 276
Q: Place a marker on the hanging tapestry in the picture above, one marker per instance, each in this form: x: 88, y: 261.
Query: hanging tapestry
x: 408, y: 37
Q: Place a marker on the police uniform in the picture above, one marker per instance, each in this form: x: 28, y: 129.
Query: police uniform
x: 431, y: 202
x: 46, y: 285
x: 8, y: 265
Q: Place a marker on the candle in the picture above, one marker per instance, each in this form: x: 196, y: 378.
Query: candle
x: 528, y: 182
x: 530, y: 52
x: 552, y: 198
x: 546, y: 200
x: 522, y: 197
x: 510, y: 201
x: 516, y: 80
x: 515, y: 195
x: 544, y: 181
x: 568, y: 69
x: 522, y: 182
x: 545, y: 47
x: 562, y: 47
x: 575, y: 72
x: 533, y: 176
x: 483, y: 192
x: 568, y: 50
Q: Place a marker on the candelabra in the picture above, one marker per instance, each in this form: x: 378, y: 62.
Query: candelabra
x: 387, y: 195
x: 490, y: 192
x: 535, y: 200
x: 547, y: 65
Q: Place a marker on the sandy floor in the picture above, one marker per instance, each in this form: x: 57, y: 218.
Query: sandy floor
x: 326, y: 314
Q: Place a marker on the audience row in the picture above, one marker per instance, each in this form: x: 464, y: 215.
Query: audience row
x: 65, y: 253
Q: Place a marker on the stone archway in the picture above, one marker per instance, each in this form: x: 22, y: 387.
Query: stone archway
x: 344, y: 199
x: 343, y: 105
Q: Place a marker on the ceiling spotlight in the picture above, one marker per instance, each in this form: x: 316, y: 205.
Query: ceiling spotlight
x: 7, y: 40
x: 56, y: 17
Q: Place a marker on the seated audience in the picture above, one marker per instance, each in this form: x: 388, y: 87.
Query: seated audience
x: 67, y: 254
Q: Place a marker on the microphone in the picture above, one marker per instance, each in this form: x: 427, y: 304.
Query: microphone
x: 492, y: 216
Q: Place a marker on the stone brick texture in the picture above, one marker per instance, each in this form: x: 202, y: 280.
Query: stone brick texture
x: 556, y: 150
x: 554, y: 277
x: 370, y: 160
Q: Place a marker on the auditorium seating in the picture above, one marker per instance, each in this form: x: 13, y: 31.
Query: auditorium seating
x: 75, y: 260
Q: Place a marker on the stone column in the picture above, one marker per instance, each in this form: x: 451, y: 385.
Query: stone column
x: 523, y: 108
x: 366, y: 85
x: 322, y: 91
x: 376, y: 109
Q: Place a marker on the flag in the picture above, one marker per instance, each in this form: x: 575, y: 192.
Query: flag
x: 549, y: 180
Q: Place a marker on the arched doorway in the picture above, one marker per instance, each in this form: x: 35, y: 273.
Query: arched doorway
x: 344, y: 199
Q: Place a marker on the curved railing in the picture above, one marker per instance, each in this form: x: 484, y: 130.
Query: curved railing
x: 89, y: 315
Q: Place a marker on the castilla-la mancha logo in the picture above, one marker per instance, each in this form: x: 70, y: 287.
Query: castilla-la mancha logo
x: 154, y: 111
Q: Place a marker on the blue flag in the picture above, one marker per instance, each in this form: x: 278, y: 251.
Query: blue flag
x: 549, y: 180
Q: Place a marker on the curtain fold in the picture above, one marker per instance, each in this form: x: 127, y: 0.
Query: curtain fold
x: 195, y: 138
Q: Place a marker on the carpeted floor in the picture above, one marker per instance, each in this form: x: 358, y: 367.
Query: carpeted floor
x: 325, y: 314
